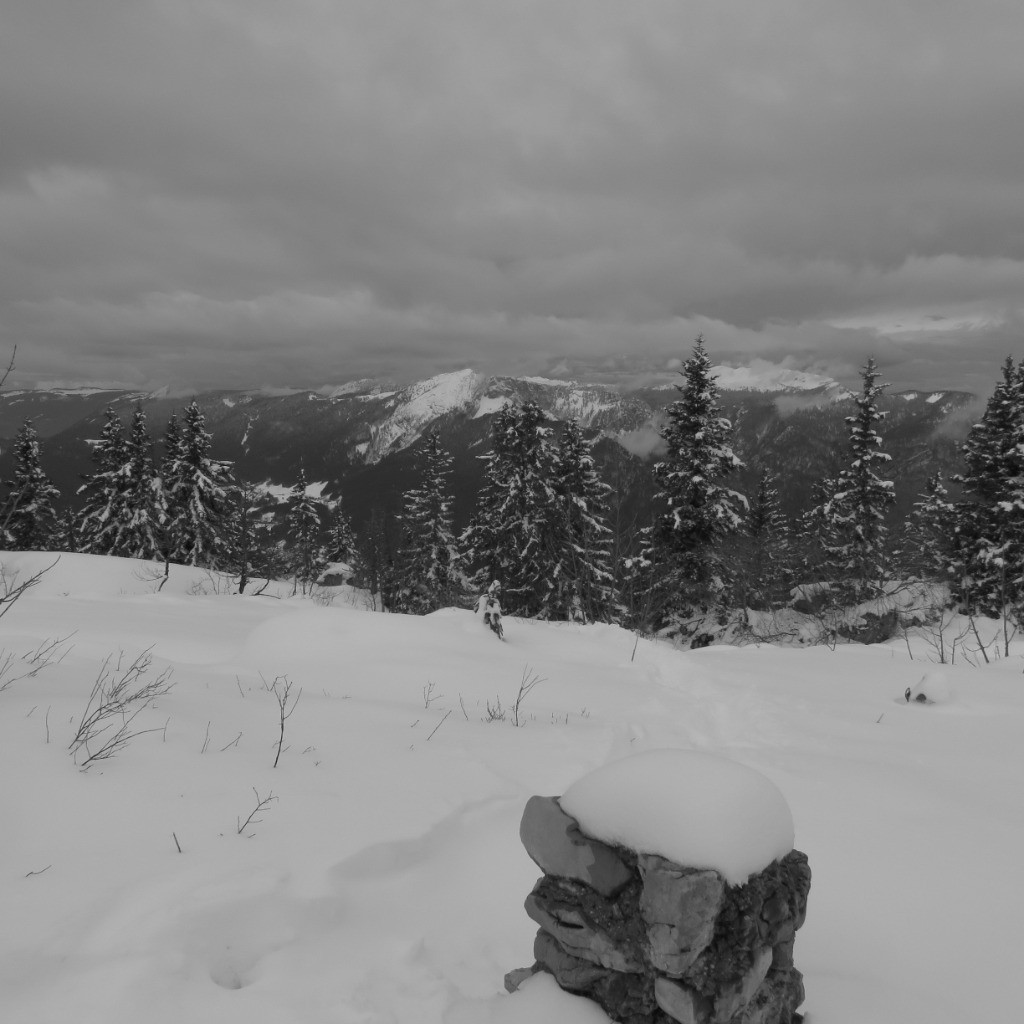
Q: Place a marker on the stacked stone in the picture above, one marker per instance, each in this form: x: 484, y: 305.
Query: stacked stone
x: 654, y: 942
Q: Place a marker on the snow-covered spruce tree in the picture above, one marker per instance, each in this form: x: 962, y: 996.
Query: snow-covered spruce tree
x: 855, y: 539
x: 428, y: 559
x: 584, y: 586
x: 198, y: 494
x: 929, y: 547
x: 105, y: 507
x: 304, y: 525
x: 28, y: 515
x: 341, y: 538
x: 145, y: 504
x: 696, y: 511
x: 513, y: 532
x: 376, y: 560
x: 761, y: 553
x: 990, y: 520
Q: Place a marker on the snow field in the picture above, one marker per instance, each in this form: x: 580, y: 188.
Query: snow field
x: 385, y: 881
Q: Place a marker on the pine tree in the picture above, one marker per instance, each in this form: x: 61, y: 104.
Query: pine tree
x: 929, y: 542
x: 253, y: 555
x: 583, y: 580
x: 855, y: 535
x: 199, y: 495
x: 171, y: 472
x: 28, y: 516
x: 683, y: 553
x: 304, y: 525
x: 105, y: 508
x: 512, y: 535
x: 990, y: 524
x: 376, y: 566
x: 141, y: 534
x: 762, y: 552
x: 428, y: 558
x: 341, y: 539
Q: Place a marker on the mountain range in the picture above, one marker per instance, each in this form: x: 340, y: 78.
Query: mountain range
x: 357, y: 440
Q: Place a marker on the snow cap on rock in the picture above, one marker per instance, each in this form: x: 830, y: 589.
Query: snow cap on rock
x: 698, y: 810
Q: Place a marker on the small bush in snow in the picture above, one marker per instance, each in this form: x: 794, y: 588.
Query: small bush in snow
x: 120, y: 694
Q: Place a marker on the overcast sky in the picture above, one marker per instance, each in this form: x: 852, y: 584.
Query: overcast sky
x: 237, y: 192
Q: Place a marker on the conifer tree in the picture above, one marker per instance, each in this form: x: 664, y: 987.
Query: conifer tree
x: 28, y: 515
x: 428, y: 558
x: 929, y: 544
x: 341, y: 538
x: 304, y: 525
x: 105, y: 508
x: 198, y: 487
x: 763, y: 550
x: 990, y: 521
x: 512, y: 534
x: 583, y: 580
x: 683, y: 554
x: 141, y: 534
x: 171, y: 472
x: 376, y: 569
x: 854, y: 533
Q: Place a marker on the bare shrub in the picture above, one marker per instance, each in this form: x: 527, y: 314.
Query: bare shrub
x: 262, y: 803
x: 13, y: 667
x: 12, y: 587
x: 281, y: 688
x: 120, y: 694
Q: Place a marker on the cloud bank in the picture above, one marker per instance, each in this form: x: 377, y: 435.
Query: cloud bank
x: 221, y: 192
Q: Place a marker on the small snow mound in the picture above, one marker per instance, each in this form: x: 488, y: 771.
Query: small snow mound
x: 934, y: 688
x: 697, y: 809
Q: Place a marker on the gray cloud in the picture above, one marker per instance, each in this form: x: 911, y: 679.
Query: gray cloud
x: 228, y: 193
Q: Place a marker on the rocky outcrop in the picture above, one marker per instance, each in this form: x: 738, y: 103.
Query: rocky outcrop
x: 655, y: 942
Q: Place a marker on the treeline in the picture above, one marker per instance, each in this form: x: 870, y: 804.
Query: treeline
x: 543, y: 520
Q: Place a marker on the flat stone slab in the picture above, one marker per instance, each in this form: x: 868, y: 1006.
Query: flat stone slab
x: 557, y: 846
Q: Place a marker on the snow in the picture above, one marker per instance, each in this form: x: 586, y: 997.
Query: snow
x: 936, y: 397
x: 491, y: 404
x: 763, y: 376
x: 418, y: 405
x: 697, y: 809
x: 934, y: 687
x: 384, y: 881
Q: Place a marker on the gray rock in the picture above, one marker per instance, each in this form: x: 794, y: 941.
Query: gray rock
x: 515, y: 978
x: 571, y: 973
x: 681, y: 1003
x: 579, y: 936
x: 679, y: 906
x: 731, y: 999
x: 557, y: 846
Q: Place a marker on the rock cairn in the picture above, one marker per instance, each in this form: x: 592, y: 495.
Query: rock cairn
x: 654, y: 942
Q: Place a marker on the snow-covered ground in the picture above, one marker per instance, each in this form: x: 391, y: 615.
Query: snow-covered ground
x: 383, y: 881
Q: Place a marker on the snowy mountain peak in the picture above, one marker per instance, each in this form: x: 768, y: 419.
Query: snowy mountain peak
x: 761, y: 376
x: 419, y: 404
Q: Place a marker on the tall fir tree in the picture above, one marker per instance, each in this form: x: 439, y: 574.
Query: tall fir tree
x: 141, y: 534
x: 854, y: 537
x: 304, y: 525
x: 929, y: 546
x: 513, y: 532
x: 990, y: 520
x: 428, y: 559
x: 198, y: 488
x: 28, y: 515
x: 584, y: 585
x: 106, y: 503
x: 697, y: 511
x: 341, y: 538
x: 762, y: 553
